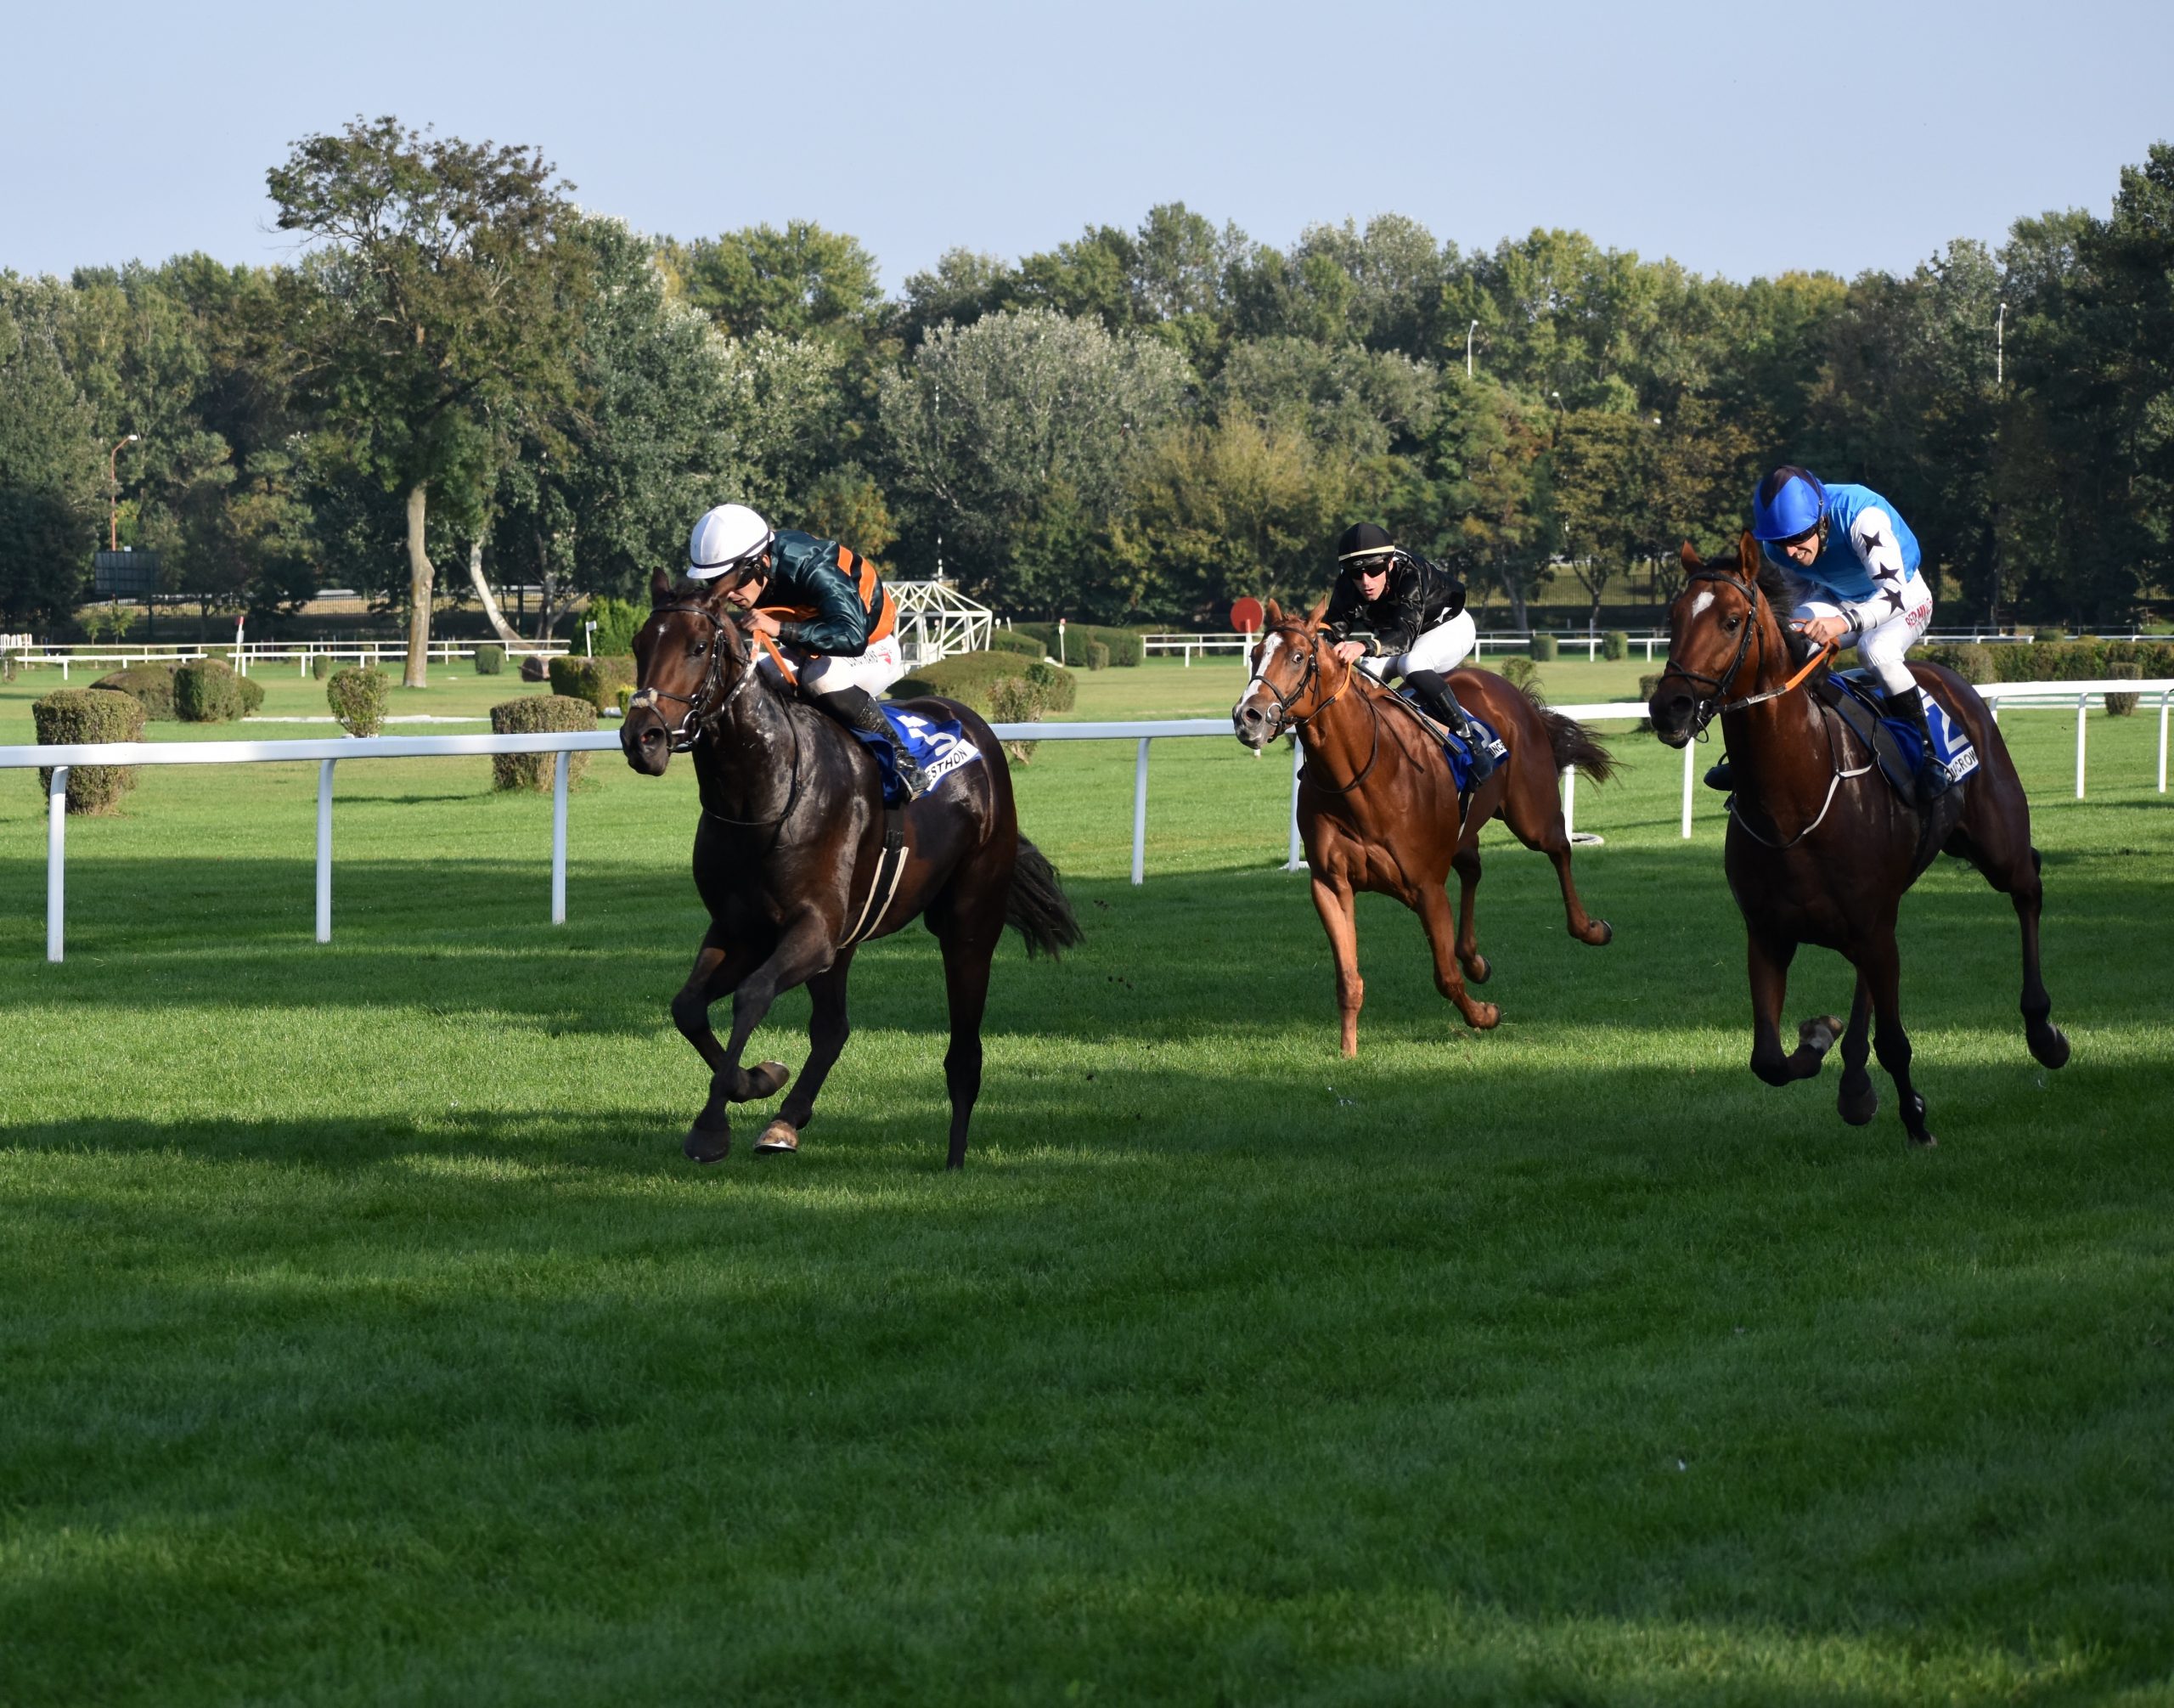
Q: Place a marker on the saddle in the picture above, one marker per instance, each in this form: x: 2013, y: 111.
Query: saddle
x: 1856, y: 698
x: 1454, y: 748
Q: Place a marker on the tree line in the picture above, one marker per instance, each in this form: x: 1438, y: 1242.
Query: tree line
x: 465, y: 379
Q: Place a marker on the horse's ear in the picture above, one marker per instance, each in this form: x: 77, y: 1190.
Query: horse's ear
x: 1314, y: 617
x: 1747, y: 553
x: 1274, y: 615
x: 660, y: 589
x: 1691, y: 562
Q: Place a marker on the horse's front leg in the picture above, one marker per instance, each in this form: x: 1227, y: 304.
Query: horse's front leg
x: 1332, y: 901
x: 1769, y: 963
x: 828, y: 1028
x: 718, y: 968
x: 803, y: 950
x: 1880, y: 962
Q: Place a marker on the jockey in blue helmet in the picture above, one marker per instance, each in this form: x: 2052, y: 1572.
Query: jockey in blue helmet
x: 1853, y: 563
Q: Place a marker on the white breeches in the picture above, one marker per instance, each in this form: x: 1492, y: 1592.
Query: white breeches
x: 875, y: 670
x: 1882, y: 645
x: 1443, y: 647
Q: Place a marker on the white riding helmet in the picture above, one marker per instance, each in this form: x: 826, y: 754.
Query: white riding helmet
x: 725, y: 539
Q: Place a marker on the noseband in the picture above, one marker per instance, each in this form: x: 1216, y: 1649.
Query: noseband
x: 1709, y: 706
x: 1284, y: 702
x: 683, y: 735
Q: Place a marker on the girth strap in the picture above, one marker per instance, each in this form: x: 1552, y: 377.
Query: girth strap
x: 890, y: 868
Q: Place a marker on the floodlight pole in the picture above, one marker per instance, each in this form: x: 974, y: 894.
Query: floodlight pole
x: 2000, y: 327
x: 1469, y: 331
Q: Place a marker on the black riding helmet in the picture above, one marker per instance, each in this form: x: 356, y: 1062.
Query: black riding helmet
x: 1362, y: 540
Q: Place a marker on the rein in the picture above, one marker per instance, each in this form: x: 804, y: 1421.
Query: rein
x: 1711, y: 706
x: 1283, y: 703
x: 695, y: 723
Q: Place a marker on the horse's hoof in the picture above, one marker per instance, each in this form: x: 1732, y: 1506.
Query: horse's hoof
x: 1818, y: 1035
x: 1485, y: 1016
x: 1858, y: 1106
x: 2051, y: 1046
x: 1478, y: 970
x: 780, y: 1139
x: 704, y: 1146
x: 1599, y: 932
x: 765, y: 1079
x: 1923, y: 1142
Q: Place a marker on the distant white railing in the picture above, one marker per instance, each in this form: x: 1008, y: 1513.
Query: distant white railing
x: 328, y: 752
x: 1568, y: 643
x: 300, y: 653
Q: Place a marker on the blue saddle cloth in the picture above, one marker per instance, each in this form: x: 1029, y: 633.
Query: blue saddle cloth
x: 1460, y: 756
x: 1954, y: 749
x: 937, y: 746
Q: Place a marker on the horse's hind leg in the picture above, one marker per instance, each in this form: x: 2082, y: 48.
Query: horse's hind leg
x: 828, y: 1028
x: 1769, y: 964
x: 969, y: 938
x: 1879, y: 964
x: 1534, y: 812
x: 1469, y: 872
x: 2009, y: 863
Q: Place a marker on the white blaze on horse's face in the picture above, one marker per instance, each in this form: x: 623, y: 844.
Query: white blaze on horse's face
x: 1267, y: 651
x: 1698, y: 605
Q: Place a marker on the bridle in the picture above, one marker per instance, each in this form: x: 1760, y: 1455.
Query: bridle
x: 683, y: 735
x: 1307, y: 679
x: 1709, y: 707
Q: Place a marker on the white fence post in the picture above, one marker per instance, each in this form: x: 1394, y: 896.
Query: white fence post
x: 56, y: 861
x: 1689, y: 748
x: 2163, y: 693
x: 1140, y: 814
x: 324, y: 850
x: 564, y: 769
x: 2082, y: 706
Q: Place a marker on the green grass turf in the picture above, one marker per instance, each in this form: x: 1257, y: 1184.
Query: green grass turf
x: 366, y: 1339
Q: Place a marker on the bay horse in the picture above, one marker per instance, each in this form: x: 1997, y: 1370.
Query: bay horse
x: 1378, y: 808
x: 789, y: 852
x: 1820, y: 847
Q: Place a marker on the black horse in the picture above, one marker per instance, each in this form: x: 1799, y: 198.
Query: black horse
x: 799, y: 862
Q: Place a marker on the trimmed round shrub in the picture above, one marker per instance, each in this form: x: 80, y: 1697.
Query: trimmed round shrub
x: 968, y: 677
x: 625, y: 698
x: 2123, y: 705
x: 150, y: 686
x: 617, y: 622
x: 357, y: 697
x: 490, y: 659
x: 1012, y: 640
x: 206, y: 691
x: 597, y: 681
x: 252, y: 695
x: 1616, y: 643
x: 2048, y: 631
x: 1542, y: 651
x: 1519, y: 671
x: 68, y: 716
x: 322, y: 665
x: 529, y: 715
x: 1014, y: 699
x: 1098, y: 656
x: 1125, y: 644
x: 534, y: 667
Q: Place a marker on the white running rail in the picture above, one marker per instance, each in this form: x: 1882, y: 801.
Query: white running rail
x: 328, y: 752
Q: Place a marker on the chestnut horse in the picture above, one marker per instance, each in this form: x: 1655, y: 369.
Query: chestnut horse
x: 788, y: 855
x: 1378, y: 809
x: 1820, y: 846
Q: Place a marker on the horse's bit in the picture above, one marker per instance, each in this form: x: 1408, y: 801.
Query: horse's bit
x: 683, y: 735
x: 1284, y: 702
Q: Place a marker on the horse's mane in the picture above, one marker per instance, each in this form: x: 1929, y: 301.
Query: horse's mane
x: 1774, y: 582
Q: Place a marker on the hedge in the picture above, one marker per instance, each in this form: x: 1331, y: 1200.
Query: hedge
x: 322, y: 665
x: 1542, y: 649
x: 150, y: 686
x: 617, y: 622
x: 969, y: 678
x: 2053, y: 661
x: 1125, y: 644
x: 490, y: 659
x: 597, y: 681
x: 206, y: 691
x: 70, y: 715
x: 1011, y: 640
x: 357, y: 697
x: 527, y: 716
x: 1616, y: 643
x: 1098, y: 656
x: 2123, y: 705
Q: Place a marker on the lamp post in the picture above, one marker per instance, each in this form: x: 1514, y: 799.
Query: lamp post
x: 2000, y: 326
x: 1469, y: 331
x: 113, y: 490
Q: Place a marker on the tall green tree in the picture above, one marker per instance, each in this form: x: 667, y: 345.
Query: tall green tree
x: 50, y: 468
x: 440, y: 310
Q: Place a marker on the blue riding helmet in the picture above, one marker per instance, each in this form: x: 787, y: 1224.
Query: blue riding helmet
x: 1790, y: 502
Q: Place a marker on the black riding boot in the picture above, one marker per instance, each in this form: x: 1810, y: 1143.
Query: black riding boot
x: 856, y: 708
x: 1800, y: 649
x: 1933, y: 780
x: 1433, y: 692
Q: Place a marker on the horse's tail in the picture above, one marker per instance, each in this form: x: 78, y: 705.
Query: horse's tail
x: 1039, y: 906
x: 1573, y: 744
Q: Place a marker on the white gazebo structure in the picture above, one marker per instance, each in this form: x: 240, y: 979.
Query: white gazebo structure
x: 935, y: 620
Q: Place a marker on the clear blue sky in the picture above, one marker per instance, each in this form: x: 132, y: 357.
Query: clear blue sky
x: 1669, y: 126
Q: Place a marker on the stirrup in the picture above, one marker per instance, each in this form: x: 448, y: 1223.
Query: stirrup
x: 1478, y: 755
x: 911, y: 778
